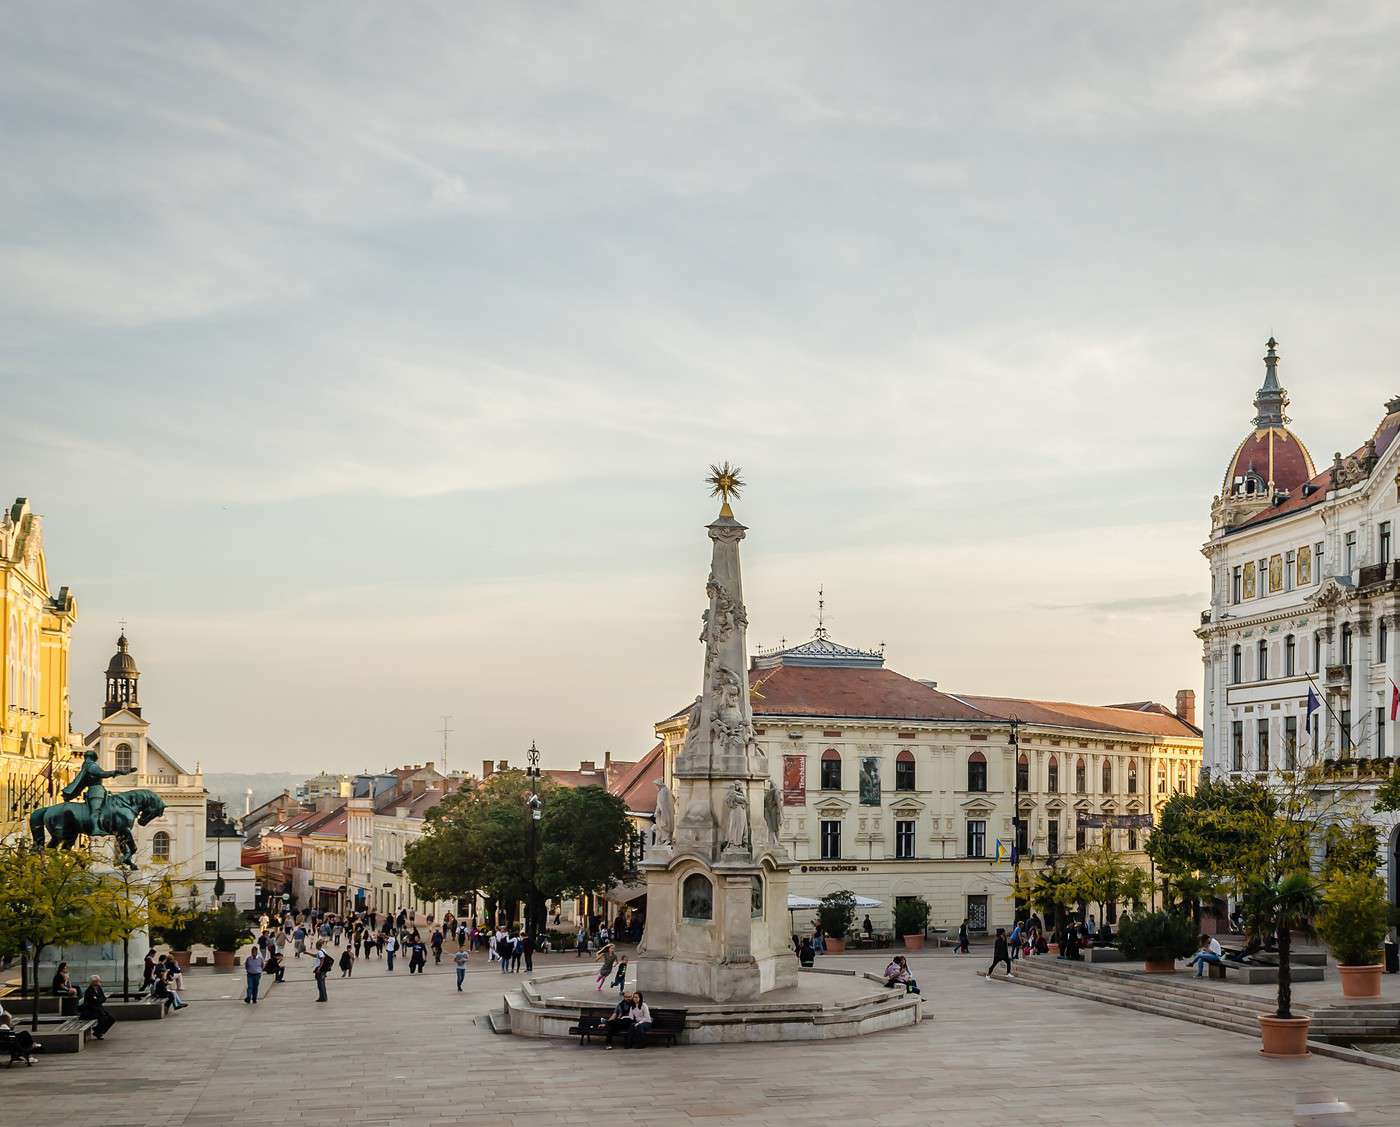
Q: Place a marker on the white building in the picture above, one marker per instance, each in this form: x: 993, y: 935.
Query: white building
x: 1305, y: 595
x: 177, y: 841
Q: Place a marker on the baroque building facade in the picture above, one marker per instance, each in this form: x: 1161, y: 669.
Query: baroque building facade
x: 37, y: 743
x: 1305, y: 598
x: 893, y: 788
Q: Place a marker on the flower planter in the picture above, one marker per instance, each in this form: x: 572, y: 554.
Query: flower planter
x: 1160, y: 966
x: 182, y: 959
x: 1361, y: 982
x: 1052, y: 948
x: 916, y: 943
x: 1284, y: 1036
x: 224, y: 960
x: 835, y: 946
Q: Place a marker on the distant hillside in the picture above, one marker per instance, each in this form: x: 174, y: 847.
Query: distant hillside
x: 231, y: 788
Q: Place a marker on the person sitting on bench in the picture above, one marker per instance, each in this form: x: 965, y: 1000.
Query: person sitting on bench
x: 621, y: 1019
x: 22, y: 1043
x: 641, y: 1022
x: 94, y: 1007
x: 1210, y: 952
x: 897, y: 974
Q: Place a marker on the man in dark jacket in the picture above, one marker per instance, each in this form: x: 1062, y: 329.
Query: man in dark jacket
x: 1000, y: 953
x: 93, y: 1007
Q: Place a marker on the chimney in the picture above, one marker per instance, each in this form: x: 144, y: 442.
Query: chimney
x: 1186, y: 705
x: 587, y: 767
x: 503, y: 765
x: 607, y: 760
x: 486, y: 768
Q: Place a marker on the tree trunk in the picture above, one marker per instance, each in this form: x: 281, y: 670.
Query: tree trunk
x: 126, y: 972
x: 34, y: 1017
x: 1285, y: 976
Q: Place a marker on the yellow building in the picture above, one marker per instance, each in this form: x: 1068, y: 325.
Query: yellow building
x: 37, y: 743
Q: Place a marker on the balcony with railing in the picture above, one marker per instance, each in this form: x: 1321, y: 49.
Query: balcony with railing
x: 1339, y: 676
x: 1374, y: 574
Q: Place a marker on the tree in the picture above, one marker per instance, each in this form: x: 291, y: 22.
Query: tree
x: 1046, y: 890
x: 1388, y: 795
x: 584, y: 835
x: 50, y: 897
x: 135, y: 902
x: 1220, y: 833
x: 1099, y: 875
x: 1353, y: 847
x: 1280, y: 906
x: 1354, y: 917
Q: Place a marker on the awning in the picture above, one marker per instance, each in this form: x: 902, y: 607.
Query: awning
x: 626, y: 893
x: 801, y: 903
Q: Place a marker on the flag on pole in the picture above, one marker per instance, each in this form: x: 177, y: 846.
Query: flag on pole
x: 1312, y: 706
x: 1394, y: 699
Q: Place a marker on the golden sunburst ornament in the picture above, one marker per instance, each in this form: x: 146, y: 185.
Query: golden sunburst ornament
x: 724, y: 481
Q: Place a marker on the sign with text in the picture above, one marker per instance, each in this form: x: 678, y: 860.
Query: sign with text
x: 794, y: 780
x: 1115, y: 821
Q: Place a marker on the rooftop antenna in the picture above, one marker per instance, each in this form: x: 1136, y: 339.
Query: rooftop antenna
x: 446, y: 731
x: 821, y: 613
x: 122, y: 622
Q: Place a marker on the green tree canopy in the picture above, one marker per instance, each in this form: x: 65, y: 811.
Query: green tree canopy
x: 1352, y: 848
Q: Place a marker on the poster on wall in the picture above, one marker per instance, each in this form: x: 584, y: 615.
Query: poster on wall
x: 870, y: 780
x: 794, y: 780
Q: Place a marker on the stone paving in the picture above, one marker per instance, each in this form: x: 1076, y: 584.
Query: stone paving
x: 408, y: 1051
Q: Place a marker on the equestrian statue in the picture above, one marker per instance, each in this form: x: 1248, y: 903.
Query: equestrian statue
x: 100, y: 814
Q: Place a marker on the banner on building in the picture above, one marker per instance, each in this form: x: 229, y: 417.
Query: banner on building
x: 794, y: 780
x: 1115, y: 821
x: 870, y: 780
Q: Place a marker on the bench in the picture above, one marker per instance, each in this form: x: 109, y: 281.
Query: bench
x: 68, y: 1036
x: 11, y: 1041
x: 1254, y: 974
x: 666, y: 1025
x: 592, y: 1022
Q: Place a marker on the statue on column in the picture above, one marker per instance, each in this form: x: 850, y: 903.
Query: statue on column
x: 665, y: 814
x: 736, y: 819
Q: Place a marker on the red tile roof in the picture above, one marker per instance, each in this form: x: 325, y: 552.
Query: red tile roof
x: 1154, y: 721
x: 638, y: 787
x: 849, y: 693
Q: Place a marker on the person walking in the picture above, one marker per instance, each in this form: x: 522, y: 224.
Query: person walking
x: 1014, y: 942
x: 418, y: 957
x: 275, y: 966
x: 299, y: 939
x: 324, y: 962
x: 460, y: 958
x: 962, y: 938
x: 528, y: 946
x: 253, y: 967
x: 502, y: 946
x: 517, y: 952
x: 436, y: 943
x: 347, y: 962
x: 580, y: 942
x: 391, y: 946
x: 620, y: 979
x: 1000, y: 954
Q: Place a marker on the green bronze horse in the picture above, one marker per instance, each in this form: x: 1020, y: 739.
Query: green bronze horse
x: 121, y: 810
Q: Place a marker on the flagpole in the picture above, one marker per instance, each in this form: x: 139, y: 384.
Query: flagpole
x: 1322, y: 696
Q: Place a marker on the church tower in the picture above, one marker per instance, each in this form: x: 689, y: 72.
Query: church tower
x: 122, y: 676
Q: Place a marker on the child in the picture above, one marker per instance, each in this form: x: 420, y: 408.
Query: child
x: 608, y: 955
x: 621, y: 979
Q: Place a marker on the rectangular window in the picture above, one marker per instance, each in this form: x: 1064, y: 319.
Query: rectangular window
x: 1237, y: 746
x: 831, y: 774
x: 1236, y: 666
x: 1382, y: 639
x: 1052, y: 840
x: 210, y: 866
x: 1317, y: 562
x: 1261, y: 746
x: 831, y: 840
x: 1385, y: 542
x: 1290, y: 568
x: 1023, y: 774
x: 976, y: 838
x: 1380, y: 733
x: 1022, y: 839
x: 1290, y: 656
x: 1317, y: 652
x: 1349, y: 552
x: 1132, y: 838
x: 1235, y: 585
x: 1290, y: 743
x: 1263, y: 661
x: 904, y: 774
x: 1263, y: 578
x: 976, y: 775
x: 903, y: 841
x: 1078, y: 836
x: 1346, y: 731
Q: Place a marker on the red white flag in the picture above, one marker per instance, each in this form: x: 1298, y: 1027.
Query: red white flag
x: 1394, y: 700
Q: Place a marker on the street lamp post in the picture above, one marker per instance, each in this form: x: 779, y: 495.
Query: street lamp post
x: 532, y: 772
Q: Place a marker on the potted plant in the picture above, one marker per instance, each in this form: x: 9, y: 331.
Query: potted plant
x: 836, y: 914
x: 1158, y: 939
x: 1353, y: 922
x: 225, y: 931
x: 179, y: 931
x: 1281, y: 907
x: 910, y: 920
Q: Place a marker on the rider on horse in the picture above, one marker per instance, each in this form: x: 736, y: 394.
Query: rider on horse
x: 89, y: 778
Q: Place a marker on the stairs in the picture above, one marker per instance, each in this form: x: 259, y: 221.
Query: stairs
x: 1356, y: 1021
x: 1146, y: 994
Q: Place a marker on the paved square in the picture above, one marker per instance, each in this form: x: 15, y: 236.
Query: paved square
x: 408, y: 1051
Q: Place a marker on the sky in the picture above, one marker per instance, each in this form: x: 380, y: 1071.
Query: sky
x: 368, y: 358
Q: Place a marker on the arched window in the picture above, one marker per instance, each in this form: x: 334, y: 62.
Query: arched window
x: 1023, y: 773
x: 904, y: 770
x: 831, y: 769
x: 977, y: 771
x: 1081, y: 776
x: 160, y: 846
x: 1053, y: 780
x: 1181, y: 778
x: 697, y: 898
x: 124, y: 756
x: 1108, y: 776
x: 1132, y: 776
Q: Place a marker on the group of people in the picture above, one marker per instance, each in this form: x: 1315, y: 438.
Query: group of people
x: 630, y: 1020
x: 91, y: 1004
x: 162, y: 976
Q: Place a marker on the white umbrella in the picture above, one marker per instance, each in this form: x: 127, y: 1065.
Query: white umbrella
x: 801, y: 903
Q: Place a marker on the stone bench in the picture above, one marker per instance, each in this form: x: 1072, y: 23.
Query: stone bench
x: 66, y: 1036
x: 1103, y: 954
x: 1253, y: 974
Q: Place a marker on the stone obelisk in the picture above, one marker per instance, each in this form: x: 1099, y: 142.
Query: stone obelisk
x: 717, y: 922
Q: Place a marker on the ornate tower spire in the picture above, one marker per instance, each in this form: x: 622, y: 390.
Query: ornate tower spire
x: 1271, y: 401
x: 122, y: 676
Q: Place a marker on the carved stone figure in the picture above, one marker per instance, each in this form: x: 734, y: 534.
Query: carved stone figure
x: 736, y: 819
x: 665, y: 814
x: 772, y: 810
x: 692, y: 729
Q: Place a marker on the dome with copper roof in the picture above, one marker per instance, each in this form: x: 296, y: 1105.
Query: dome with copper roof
x: 1271, y: 459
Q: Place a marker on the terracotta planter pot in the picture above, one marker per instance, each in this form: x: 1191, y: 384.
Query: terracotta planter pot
x: 835, y: 946
x: 1160, y: 966
x: 182, y: 959
x: 1054, y: 948
x: 1284, y: 1036
x: 225, y: 960
x: 1361, y: 982
x: 916, y: 943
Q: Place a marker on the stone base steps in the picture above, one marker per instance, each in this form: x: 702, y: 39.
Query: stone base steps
x: 496, y: 1021
x: 1357, y: 1021
x: 1199, y: 1005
